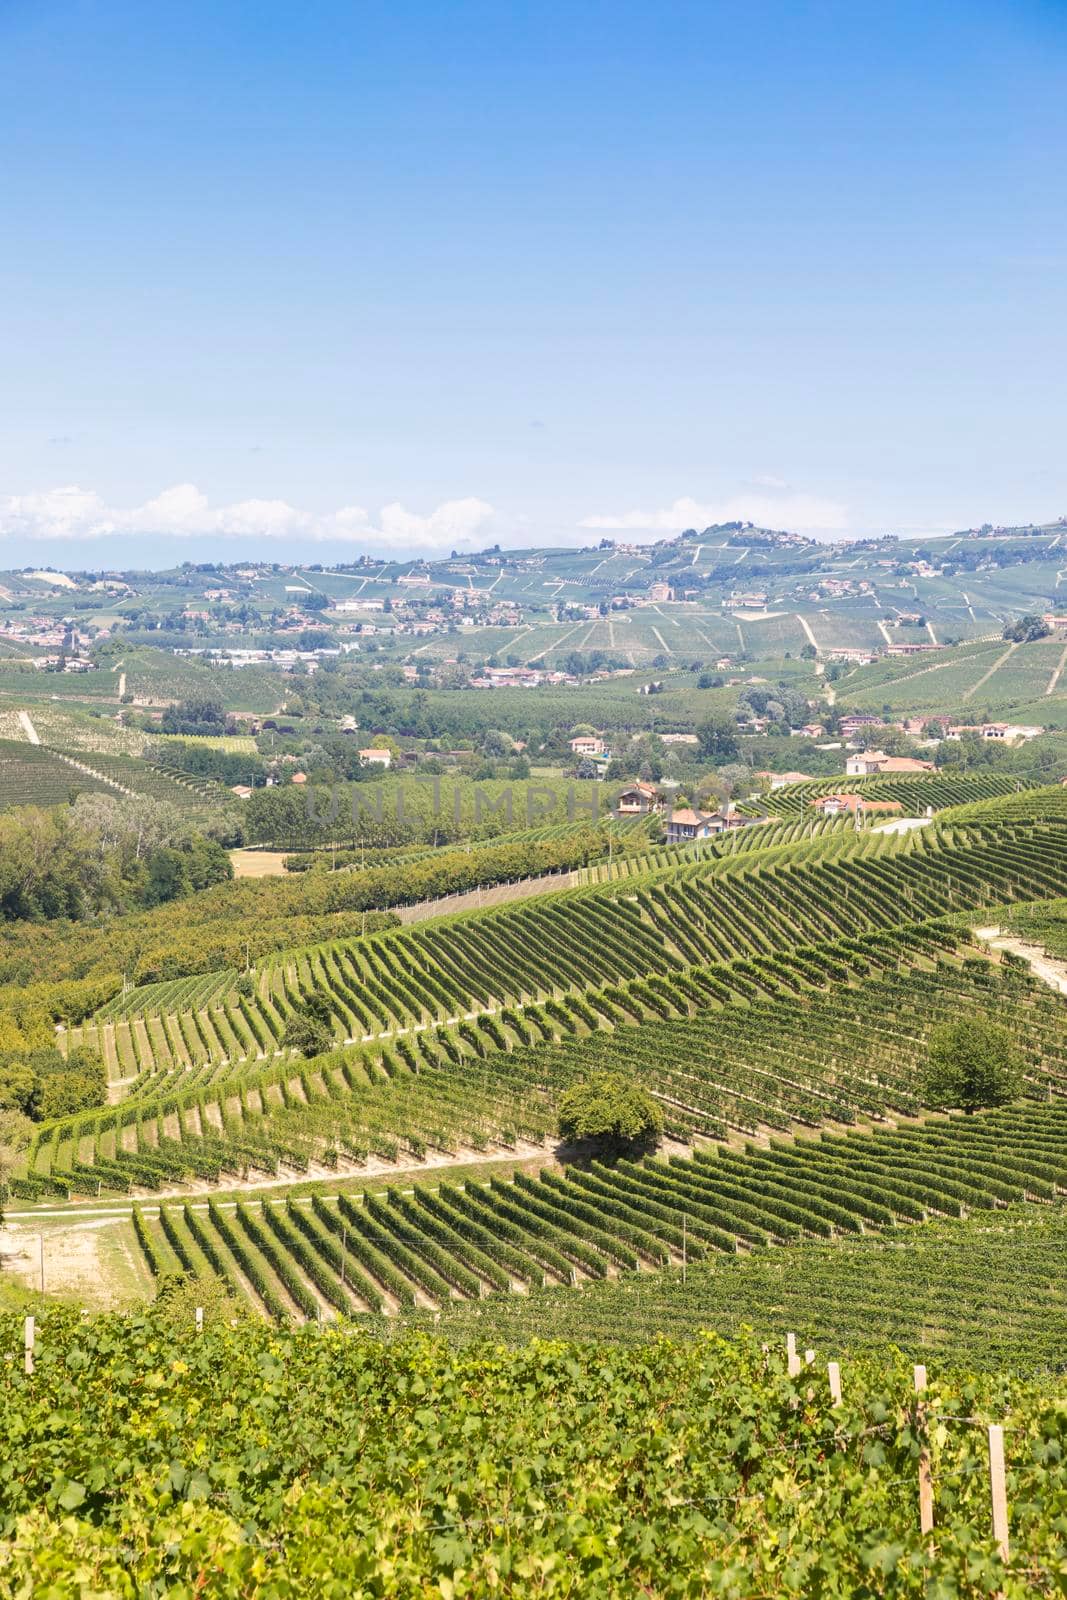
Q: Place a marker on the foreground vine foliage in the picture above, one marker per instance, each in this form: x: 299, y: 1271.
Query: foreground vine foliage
x: 143, y: 1459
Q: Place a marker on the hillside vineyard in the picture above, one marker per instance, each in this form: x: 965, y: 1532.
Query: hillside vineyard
x: 423, y: 1004
x: 321, y: 1171
x: 369, y: 1315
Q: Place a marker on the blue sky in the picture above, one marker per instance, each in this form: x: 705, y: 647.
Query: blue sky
x: 307, y: 280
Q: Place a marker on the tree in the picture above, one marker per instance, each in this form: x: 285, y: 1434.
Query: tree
x: 308, y: 1034
x: 317, y: 1005
x: 167, y: 878
x: 199, y: 714
x: 42, y: 1083
x: 718, y: 740
x: 611, y: 1108
x: 1027, y: 628
x: 496, y: 744
x: 736, y: 778
x: 970, y: 1064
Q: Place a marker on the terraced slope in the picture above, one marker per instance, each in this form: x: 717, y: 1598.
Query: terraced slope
x: 395, y: 1249
x: 742, y: 905
x: 834, y: 1032
x: 1045, y: 804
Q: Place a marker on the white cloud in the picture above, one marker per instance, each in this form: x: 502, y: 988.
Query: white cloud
x: 772, y: 505
x: 184, y: 512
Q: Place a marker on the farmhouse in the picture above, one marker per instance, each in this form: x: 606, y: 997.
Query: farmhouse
x: 779, y: 780
x: 836, y: 805
x: 587, y: 744
x: 508, y: 678
x: 857, y: 721
x: 851, y: 653
x: 376, y: 758
x: 870, y: 763
x: 1005, y: 732
x: 686, y: 825
x: 638, y: 799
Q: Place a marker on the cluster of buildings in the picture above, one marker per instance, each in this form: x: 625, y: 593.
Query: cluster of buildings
x: 864, y: 724
x: 517, y: 678
x: 684, y: 826
x: 840, y: 588
x: 221, y: 655
x: 536, y: 677
x: 42, y: 633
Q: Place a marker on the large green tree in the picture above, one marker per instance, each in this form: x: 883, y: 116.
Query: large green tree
x: 611, y: 1108
x: 718, y: 739
x: 971, y: 1064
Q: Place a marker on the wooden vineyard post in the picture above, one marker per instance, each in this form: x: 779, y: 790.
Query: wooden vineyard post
x: 199, y: 1319
x: 833, y: 1372
x: 792, y: 1360
x: 29, y: 1335
x: 997, y: 1490
x: 926, y: 1482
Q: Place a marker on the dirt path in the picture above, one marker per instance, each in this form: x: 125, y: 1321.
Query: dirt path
x: 434, y: 1161
x: 807, y: 629
x: 1050, y: 969
x: 258, y: 863
x: 1056, y: 671
x: 91, y: 1261
x: 93, y: 772
x: 999, y: 662
x: 901, y: 824
x: 496, y: 895
x: 28, y: 728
